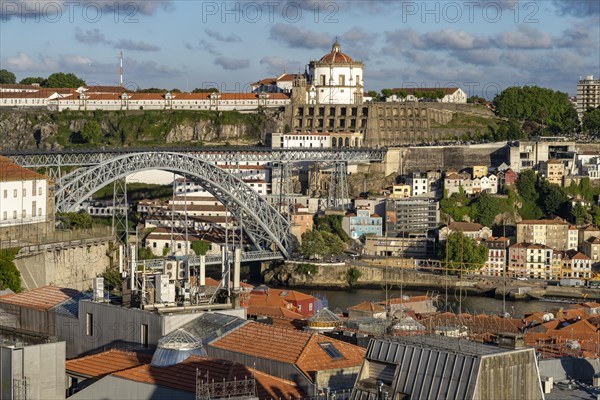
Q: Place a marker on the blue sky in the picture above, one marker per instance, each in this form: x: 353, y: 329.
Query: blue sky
x: 480, y: 45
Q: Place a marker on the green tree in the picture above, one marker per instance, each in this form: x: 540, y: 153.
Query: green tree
x: 580, y: 215
x: 207, y: 90
x: 526, y: 185
x: 10, y: 277
x: 553, y: 198
x: 595, y: 215
x: 550, y: 110
x: 333, y: 243
x: 476, y: 100
x: 402, y: 93
x: 591, y: 121
x: 200, y: 247
x: 30, y: 80
x: 7, y: 77
x: 464, y: 252
x: 386, y: 92
x: 80, y: 220
x: 62, y: 80
x: 113, y: 279
x: 331, y: 224
x: 485, y: 209
x: 92, y: 132
x: 353, y: 275
x: 313, y: 244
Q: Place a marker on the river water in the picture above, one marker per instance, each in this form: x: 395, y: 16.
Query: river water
x: 343, y: 299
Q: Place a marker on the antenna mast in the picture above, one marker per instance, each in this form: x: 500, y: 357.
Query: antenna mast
x: 121, y: 69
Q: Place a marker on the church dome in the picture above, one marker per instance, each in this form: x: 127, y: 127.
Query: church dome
x: 336, y: 55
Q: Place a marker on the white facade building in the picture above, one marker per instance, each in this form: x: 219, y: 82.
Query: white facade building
x: 300, y: 140
x: 23, y: 195
x: 335, y: 79
x: 451, y: 95
x: 419, y: 184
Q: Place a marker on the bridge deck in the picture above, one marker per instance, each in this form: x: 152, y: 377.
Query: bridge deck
x: 38, y: 159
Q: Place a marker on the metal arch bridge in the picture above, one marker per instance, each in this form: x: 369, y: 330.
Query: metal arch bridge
x: 71, y: 158
x: 98, y: 168
x: 266, y: 226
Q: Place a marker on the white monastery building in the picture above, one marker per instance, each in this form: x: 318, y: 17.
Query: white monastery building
x: 335, y: 79
x: 24, y: 195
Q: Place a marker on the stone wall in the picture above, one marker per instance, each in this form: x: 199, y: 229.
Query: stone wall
x: 70, y: 264
x: 405, y: 160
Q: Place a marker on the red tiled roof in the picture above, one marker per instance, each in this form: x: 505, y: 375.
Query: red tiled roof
x: 290, y: 346
x: 412, y: 91
x: 556, y: 221
x: 9, y: 171
x: 276, y: 312
x: 108, y: 362
x: 290, y: 295
x: 465, y: 226
x: 43, y: 298
x: 268, y: 300
x: 182, y: 376
x: 336, y: 57
x: 367, y: 306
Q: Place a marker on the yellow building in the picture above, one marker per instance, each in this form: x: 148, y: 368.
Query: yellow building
x: 401, y: 191
x: 479, y: 171
x: 553, y: 171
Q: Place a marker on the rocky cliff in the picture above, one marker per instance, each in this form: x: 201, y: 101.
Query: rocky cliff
x: 42, y: 129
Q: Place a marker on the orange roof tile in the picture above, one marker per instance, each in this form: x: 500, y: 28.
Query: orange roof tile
x: 276, y: 312
x: 314, y: 358
x: 291, y: 295
x: 367, y: 306
x: 43, y: 298
x: 556, y: 221
x: 108, y: 362
x: 465, y: 226
x: 258, y: 299
x: 182, y: 376
x: 289, y: 346
x: 9, y: 171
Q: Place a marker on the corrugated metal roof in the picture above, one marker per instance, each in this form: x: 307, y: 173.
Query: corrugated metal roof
x: 70, y: 308
x: 43, y: 298
x: 431, y: 367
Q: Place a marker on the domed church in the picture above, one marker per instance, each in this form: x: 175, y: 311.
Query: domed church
x: 334, y: 79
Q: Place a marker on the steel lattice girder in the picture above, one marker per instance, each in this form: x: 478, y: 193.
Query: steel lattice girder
x: 212, y: 155
x: 266, y: 225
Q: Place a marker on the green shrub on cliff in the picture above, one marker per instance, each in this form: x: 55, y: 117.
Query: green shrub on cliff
x: 10, y: 277
x: 353, y: 275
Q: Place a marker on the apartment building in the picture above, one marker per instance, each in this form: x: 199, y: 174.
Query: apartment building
x: 588, y: 94
x: 553, y: 171
x: 553, y: 233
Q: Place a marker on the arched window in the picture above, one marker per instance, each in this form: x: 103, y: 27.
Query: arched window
x: 333, y: 142
x: 347, y: 142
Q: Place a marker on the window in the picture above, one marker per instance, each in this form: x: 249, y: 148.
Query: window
x: 33, y: 209
x: 342, y: 80
x: 40, y: 191
x: 23, y: 213
x: 5, y: 216
x: 5, y: 193
x: 144, y: 335
x: 331, y: 351
x: 15, y: 214
x: 15, y: 193
x: 89, y: 324
x: 40, y: 211
x: 24, y: 192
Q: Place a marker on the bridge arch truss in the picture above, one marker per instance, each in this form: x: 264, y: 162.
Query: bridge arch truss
x: 262, y: 223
